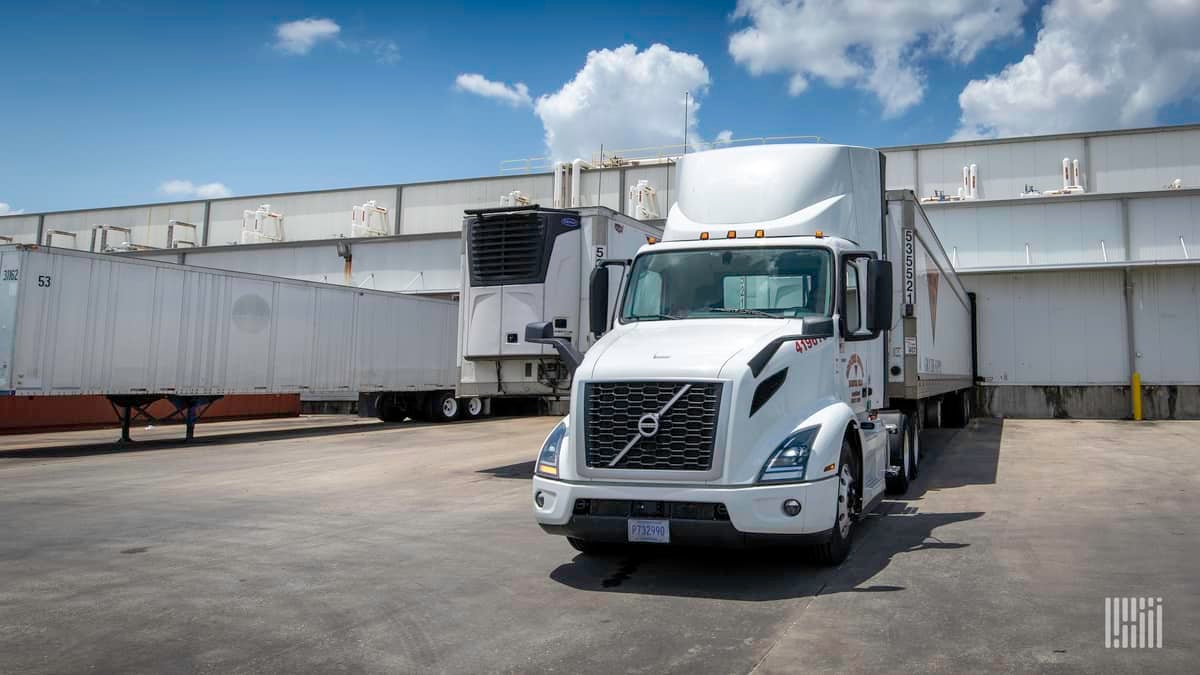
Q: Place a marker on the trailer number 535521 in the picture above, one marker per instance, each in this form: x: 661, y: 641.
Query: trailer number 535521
x: 44, y: 280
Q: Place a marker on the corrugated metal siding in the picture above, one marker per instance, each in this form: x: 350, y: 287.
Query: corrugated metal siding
x: 148, y: 224
x: 439, y: 207
x: 900, y: 170
x: 22, y: 229
x: 1051, y: 328
x: 996, y: 235
x: 1166, y: 316
x: 1156, y: 227
x: 1003, y: 169
x: 1145, y: 161
x: 319, y: 215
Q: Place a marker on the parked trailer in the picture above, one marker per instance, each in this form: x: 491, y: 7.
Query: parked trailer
x: 527, y: 264
x: 138, y: 330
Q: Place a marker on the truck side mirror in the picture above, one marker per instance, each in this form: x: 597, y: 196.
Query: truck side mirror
x: 879, y: 275
x: 598, y: 300
x: 542, y: 332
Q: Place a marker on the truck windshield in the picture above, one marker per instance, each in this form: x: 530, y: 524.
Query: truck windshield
x: 772, y: 282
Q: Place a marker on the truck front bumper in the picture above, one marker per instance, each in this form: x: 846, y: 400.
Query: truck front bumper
x: 723, y: 516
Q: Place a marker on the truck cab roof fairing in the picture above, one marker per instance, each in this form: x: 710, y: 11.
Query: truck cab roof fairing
x: 786, y: 189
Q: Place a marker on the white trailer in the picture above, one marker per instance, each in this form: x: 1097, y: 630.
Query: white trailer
x: 525, y: 264
x: 138, y: 330
x: 767, y: 368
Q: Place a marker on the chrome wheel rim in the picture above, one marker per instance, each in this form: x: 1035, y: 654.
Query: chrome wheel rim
x: 474, y: 406
x: 906, y: 459
x: 450, y: 407
x: 845, y: 495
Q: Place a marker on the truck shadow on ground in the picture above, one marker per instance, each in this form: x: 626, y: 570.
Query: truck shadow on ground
x: 896, y: 528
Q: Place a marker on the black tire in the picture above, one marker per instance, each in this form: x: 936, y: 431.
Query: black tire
x: 834, y: 551
x: 959, y: 412
x: 472, y: 407
x: 443, y: 407
x: 391, y: 408
x: 933, y: 412
x: 898, y: 484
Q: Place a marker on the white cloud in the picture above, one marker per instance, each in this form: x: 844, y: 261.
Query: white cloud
x: 724, y: 136
x: 6, y: 210
x: 515, y: 95
x: 186, y: 189
x: 386, y: 52
x: 299, y: 37
x: 1096, y: 65
x: 623, y: 98
x: 874, y: 46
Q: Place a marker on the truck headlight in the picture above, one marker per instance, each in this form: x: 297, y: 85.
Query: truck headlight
x: 790, y: 459
x: 547, y: 463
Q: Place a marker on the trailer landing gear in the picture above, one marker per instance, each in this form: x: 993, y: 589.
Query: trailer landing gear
x: 133, y: 408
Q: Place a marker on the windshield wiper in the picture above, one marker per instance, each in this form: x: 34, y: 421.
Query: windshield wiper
x: 740, y: 310
x: 639, y: 317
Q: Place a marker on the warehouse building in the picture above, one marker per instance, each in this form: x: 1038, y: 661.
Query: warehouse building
x: 1077, y: 246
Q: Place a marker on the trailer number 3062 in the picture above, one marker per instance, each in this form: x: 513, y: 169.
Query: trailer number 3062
x: 44, y: 280
x: 11, y: 275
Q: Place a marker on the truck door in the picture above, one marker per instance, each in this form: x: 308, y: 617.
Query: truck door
x: 861, y: 363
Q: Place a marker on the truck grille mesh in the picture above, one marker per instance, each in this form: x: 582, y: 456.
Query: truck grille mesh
x: 506, y: 249
x: 686, y: 432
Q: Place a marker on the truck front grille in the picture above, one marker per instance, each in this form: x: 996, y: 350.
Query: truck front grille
x: 506, y: 248
x: 678, y: 439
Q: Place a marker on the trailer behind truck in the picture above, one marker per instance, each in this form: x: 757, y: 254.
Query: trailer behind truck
x: 138, y: 330
x: 768, y: 364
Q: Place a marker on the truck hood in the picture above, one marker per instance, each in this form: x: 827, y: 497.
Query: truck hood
x: 695, y: 348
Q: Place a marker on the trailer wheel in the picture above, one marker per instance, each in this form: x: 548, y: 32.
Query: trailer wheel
x: 472, y: 407
x: 443, y: 406
x: 834, y: 551
x: 898, y: 484
x: 390, y: 408
x: 933, y: 412
x: 960, y: 409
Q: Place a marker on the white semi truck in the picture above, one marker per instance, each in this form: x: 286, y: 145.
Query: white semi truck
x: 768, y: 364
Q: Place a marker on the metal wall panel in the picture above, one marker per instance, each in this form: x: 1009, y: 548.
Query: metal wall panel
x: 1051, y: 328
x: 606, y: 185
x: 148, y: 224
x: 438, y: 207
x: 316, y: 215
x: 1165, y: 228
x: 994, y: 235
x: 900, y: 168
x: 1166, y: 316
x: 662, y: 178
x: 1003, y: 168
x: 22, y: 229
x: 1145, y: 161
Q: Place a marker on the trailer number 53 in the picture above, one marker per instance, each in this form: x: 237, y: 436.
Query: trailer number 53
x: 44, y: 280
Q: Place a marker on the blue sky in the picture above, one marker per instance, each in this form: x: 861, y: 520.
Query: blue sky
x: 105, y: 102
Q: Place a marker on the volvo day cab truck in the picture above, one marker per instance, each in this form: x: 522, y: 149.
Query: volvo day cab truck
x: 767, y: 365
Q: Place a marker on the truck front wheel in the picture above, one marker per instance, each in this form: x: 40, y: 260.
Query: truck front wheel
x: 834, y: 551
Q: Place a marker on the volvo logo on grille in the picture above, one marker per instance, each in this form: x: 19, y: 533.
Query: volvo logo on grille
x: 648, y: 425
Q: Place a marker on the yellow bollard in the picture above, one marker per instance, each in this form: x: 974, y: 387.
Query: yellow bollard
x: 1135, y: 391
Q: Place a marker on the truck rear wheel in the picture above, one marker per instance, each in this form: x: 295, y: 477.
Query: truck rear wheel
x: 472, y: 407
x: 834, y: 551
x: 391, y: 408
x: 443, y: 407
x: 959, y: 409
x: 932, y: 409
x: 898, y: 484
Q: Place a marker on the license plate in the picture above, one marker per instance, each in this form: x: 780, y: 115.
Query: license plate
x: 653, y: 531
